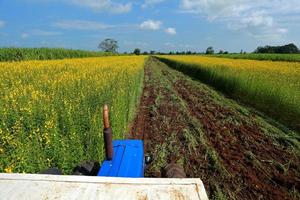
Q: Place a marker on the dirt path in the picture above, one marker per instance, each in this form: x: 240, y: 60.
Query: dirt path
x: 236, y: 153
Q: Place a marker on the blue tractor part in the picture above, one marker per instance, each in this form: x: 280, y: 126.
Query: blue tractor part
x: 127, y: 161
x: 123, y: 158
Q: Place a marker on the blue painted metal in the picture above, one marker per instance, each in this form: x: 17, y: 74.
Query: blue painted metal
x: 128, y: 160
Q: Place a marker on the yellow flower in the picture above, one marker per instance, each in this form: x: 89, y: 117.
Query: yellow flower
x: 282, y: 78
x: 8, y: 169
x: 47, y: 96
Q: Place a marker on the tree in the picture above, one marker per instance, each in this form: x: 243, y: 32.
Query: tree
x: 289, y: 48
x: 109, y: 45
x: 145, y: 53
x: 137, y: 51
x: 210, y: 50
x: 221, y: 52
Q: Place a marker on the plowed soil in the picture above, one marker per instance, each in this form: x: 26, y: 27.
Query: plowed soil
x: 237, y: 154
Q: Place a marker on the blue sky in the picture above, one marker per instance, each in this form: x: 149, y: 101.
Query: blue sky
x: 160, y: 25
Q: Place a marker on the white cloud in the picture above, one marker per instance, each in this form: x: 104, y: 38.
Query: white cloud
x: 149, y: 3
x: 151, y: 25
x: 169, y: 45
x: 253, y: 21
x: 213, y: 8
x: 170, y: 31
x: 282, y: 30
x: 253, y: 16
x: 257, y: 19
x: 24, y: 35
x: 80, y: 25
x: 2, y: 23
x: 102, y: 5
x: 135, y: 43
x: 111, y: 6
x: 39, y: 32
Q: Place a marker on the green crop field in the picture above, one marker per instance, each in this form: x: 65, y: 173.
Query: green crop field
x: 271, y: 87
x: 19, y: 54
x: 258, y: 56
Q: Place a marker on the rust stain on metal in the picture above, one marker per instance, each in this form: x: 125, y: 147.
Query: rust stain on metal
x: 142, y: 196
x: 177, y: 195
x: 105, y: 116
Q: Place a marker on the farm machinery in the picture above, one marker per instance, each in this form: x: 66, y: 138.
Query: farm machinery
x: 120, y: 176
x: 123, y: 158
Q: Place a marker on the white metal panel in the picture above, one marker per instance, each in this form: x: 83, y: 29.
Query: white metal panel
x: 36, y: 186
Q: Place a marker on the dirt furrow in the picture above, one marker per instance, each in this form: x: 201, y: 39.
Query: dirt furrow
x: 242, y: 148
x: 222, y: 143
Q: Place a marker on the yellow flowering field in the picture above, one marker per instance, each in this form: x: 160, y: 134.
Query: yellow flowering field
x: 51, y: 111
x: 272, y: 87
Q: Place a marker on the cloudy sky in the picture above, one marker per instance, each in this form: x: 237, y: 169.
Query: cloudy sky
x: 160, y: 25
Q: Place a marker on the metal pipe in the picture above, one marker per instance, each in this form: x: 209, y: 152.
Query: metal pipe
x: 107, y: 132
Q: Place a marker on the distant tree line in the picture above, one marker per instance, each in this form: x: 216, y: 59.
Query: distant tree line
x: 111, y: 45
x: 139, y: 52
x: 289, y: 48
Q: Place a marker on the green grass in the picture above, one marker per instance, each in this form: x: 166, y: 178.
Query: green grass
x: 19, y: 54
x: 256, y: 56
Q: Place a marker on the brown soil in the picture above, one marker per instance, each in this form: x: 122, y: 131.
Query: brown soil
x: 228, y: 147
